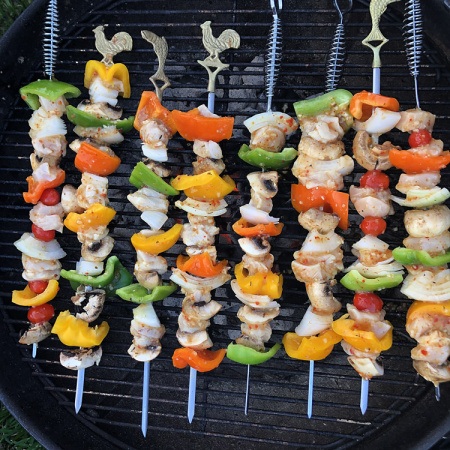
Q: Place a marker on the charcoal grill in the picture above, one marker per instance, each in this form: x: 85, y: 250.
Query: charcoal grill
x: 402, y: 411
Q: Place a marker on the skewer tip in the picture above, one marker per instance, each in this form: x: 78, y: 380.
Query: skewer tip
x: 79, y: 391
x: 310, y: 388
x: 437, y: 393
x: 145, y: 395
x: 192, y: 390
x: 34, y: 351
x: 247, y: 390
x: 364, y: 395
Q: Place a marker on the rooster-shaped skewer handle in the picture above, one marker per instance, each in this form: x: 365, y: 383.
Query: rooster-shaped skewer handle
x: 120, y: 42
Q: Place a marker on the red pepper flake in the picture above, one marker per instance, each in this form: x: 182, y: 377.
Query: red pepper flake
x: 424, y: 352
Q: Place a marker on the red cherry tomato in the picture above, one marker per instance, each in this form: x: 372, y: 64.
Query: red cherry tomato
x: 367, y: 301
x: 50, y: 197
x: 373, y: 225
x: 375, y: 179
x: 38, y: 286
x: 419, y: 138
x: 41, y: 234
x: 41, y: 313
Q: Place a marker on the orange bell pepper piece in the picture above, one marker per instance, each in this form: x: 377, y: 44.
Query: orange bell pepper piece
x: 362, y: 340
x: 362, y: 103
x: 93, y: 160
x: 107, y: 74
x: 29, y: 298
x: 96, y: 215
x: 200, y: 360
x: 243, y: 228
x: 200, y: 265
x: 269, y: 284
x: 421, y: 308
x: 150, y: 108
x: 206, y: 186
x: 412, y: 163
x: 304, y: 199
x: 159, y: 242
x: 194, y: 126
x: 36, y: 188
x: 313, y: 348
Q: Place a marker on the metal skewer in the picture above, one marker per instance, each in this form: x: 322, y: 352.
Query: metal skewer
x: 377, y: 9
x: 215, y: 46
x: 161, y: 49
x: 50, y: 51
x: 80, y: 390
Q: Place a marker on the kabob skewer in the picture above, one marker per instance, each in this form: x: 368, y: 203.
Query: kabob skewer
x: 41, y: 252
x: 256, y: 285
x: 323, y: 121
x: 154, y: 123
x: 199, y: 274
x: 97, y: 123
x: 426, y: 253
x: 364, y: 330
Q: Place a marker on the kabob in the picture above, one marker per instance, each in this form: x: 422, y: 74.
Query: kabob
x: 426, y: 252
x: 200, y: 273
x: 40, y: 250
x: 320, y: 168
x: 98, y: 125
x: 156, y: 127
x: 256, y: 285
x: 364, y: 330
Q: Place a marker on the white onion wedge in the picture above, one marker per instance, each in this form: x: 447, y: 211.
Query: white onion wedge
x: 155, y: 154
x: 84, y: 267
x: 192, y: 283
x: 380, y: 122
x: 317, y: 242
x: 256, y: 216
x: 154, y: 219
x: 35, y: 248
x: 145, y: 314
x: 313, y: 323
x: 199, y: 208
x: 282, y: 120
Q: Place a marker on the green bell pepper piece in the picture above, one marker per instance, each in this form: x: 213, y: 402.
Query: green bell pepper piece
x: 246, y: 355
x: 139, y: 294
x: 84, y: 119
x: 49, y: 89
x: 407, y: 257
x: 267, y: 160
x: 357, y: 282
x: 115, y: 276
x: 143, y: 176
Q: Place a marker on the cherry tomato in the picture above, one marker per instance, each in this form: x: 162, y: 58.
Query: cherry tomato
x: 373, y: 225
x: 41, y: 234
x: 367, y: 301
x: 50, y: 197
x: 38, y: 286
x: 419, y: 138
x: 375, y: 179
x: 41, y: 313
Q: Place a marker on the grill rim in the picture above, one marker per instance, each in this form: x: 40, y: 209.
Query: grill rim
x: 52, y: 417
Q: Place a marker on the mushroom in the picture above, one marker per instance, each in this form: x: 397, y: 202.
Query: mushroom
x: 256, y: 316
x: 101, y: 109
x: 264, y: 183
x: 256, y: 265
x: 366, y: 367
x: 315, y: 219
x: 148, y: 279
x: 321, y: 297
x: 199, y: 340
x: 96, y: 251
x: 206, y: 164
x: 160, y: 170
x: 255, y: 247
x: 51, y: 160
x: 325, y: 152
x: 145, y: 353
x: 190, y: 325
x: 427, y: 223
x: 81, y: 358
x: 432, y: 372
x: 36, y: 333
x: 91, y: 301
x: 248, y: 341
x: 257, y: 332
x: 200, y: 309
x: 371, y: 156
x: 142, y: 330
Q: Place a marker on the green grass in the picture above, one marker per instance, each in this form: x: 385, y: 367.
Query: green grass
x: 9, y: 11
x: 12, y: 435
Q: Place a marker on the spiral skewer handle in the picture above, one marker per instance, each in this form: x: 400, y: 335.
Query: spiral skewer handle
x: 51, y: 38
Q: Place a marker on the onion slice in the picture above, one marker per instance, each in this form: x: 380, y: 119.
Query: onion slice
x: 278, y: 119
x: 255, y: 216
x: 191, y: 283
x: 427, y: 286
x: 380, y: 122
x: 313, y: 323
x: 199, y: 208
x: 252, y: 300
x: 35, y: 248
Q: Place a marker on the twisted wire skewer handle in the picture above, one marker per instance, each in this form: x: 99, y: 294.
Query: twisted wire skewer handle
x: 335, y: 61
x: 273, y: 59
x: 51, y: 38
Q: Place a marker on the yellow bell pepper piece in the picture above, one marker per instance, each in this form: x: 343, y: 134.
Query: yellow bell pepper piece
x: 96, y: 215
x: 269, y: 283
x: 206, y: 186
x: 158, y: 243
x: 312, y: 348
x: 441, y: 308
x: 75, y: 332
x: 29, y: 298
x: 362, y: 340
x: 107, y: 74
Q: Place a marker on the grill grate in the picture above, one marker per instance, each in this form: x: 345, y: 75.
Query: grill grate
x: 277, y: 417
